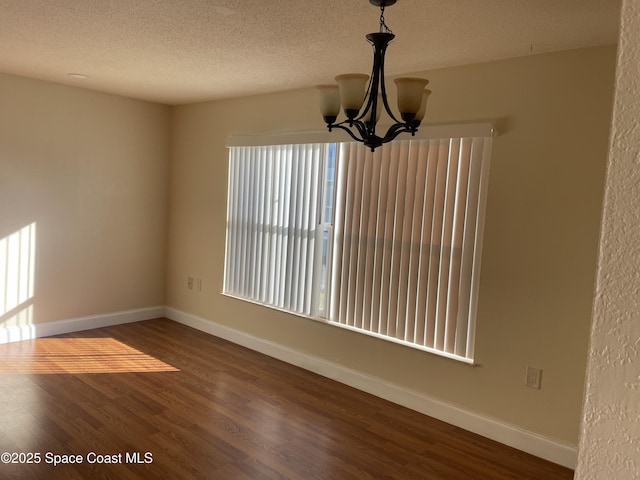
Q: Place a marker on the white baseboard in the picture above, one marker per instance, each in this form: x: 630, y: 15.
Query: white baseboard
x: 38, y: 330
x: 540, y: 446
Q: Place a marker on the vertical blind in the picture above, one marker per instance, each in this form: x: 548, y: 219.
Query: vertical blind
x: 398, y: 259
x: 407, y: 241
x: 272, y: 216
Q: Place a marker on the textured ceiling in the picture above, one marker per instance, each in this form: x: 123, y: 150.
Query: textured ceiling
x: 182, y: 51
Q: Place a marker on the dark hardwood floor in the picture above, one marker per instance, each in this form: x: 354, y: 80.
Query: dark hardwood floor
x: 197, y: 407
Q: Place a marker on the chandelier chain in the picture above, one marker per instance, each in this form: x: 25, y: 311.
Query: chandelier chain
x: 384, y: 28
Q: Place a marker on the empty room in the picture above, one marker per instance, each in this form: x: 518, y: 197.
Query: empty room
x: 364, y: 239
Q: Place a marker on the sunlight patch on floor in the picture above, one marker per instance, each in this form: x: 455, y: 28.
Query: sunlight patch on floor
x: 76, y: 356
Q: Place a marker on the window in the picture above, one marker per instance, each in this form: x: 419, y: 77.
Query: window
x: 278, y: 236
x: 387, y: 244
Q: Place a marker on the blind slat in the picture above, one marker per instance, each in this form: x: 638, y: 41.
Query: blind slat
x: 413, y: 330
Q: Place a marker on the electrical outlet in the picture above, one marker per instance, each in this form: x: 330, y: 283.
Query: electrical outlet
x: 190, y: 283
x: 533, y: 378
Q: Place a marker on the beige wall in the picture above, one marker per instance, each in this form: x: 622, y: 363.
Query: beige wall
x: 90, y: 170
x: 611, y: 425
x: 541, y: 235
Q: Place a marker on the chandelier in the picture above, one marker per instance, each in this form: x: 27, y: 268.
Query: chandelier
x: 354, y: 90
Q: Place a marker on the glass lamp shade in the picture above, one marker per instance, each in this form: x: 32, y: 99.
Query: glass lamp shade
x: 410, y: 93
x: 423, y: 106
x: 329, y: 97
x: 352, y: 87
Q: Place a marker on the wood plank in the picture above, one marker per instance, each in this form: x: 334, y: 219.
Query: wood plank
x: 205, y: 408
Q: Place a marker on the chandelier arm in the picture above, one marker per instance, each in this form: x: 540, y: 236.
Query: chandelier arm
x: 368, y: 95
x: 383, y: 89
x: 386, y: 102
x: 346, y: 129
x: 395, y: 130
x: 372, y: 90
x: 362, y: 129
